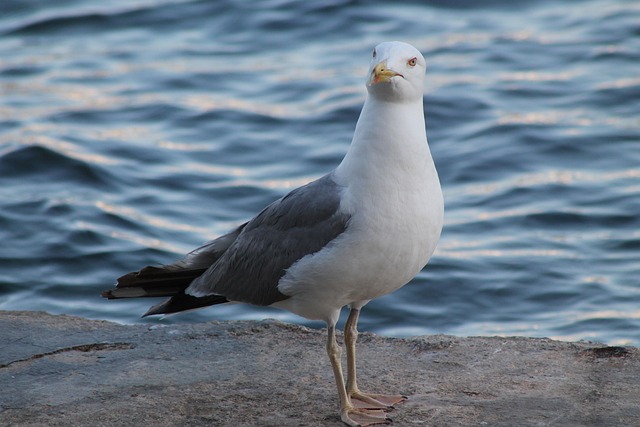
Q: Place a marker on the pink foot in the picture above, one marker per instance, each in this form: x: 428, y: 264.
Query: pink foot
x: 376, y: 401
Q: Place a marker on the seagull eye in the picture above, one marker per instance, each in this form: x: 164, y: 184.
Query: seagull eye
x: 374, y: 53
x: 412, y: 62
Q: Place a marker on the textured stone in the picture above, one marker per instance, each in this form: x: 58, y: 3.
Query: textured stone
x: 64, y: 370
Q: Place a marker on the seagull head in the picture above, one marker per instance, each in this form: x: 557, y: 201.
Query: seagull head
x: 396, y: 73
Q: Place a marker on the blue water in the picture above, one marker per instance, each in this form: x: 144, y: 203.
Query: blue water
x: 132, y: 131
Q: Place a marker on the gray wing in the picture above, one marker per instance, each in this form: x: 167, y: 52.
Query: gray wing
x: 298, y: 224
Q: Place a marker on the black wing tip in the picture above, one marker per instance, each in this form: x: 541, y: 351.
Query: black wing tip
x: 184, y: 302
x: 107, y: 294
x: 163, y: 281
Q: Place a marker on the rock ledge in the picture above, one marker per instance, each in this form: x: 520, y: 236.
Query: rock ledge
x: 69, y: 371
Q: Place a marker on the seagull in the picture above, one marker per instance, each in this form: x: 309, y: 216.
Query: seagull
x: 361, y: 231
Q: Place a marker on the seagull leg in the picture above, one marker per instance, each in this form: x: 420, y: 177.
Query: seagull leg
x: 360, y: 399
x: 348, y: 413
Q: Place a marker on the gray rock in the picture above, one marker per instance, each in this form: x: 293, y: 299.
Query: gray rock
x: 69, y: 371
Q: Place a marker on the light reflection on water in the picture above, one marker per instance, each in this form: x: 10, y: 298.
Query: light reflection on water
x: 132, y: 132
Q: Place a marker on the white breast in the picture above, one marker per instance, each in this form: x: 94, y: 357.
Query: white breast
x: 392, y: 192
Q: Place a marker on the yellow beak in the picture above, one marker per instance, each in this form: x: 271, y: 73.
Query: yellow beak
x: 381, y: 74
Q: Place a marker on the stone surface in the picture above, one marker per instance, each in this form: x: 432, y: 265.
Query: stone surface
x: 69, y: 371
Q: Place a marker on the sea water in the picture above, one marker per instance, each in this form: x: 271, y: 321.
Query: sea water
x: 132, y: 131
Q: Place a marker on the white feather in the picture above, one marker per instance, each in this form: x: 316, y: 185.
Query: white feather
x: 390, y: 187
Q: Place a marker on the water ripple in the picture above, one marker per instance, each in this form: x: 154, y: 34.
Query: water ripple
x: 133, y: 131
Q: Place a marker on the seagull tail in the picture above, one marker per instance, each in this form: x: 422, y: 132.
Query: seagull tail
x: 162, y: 282
x: 153, y: 282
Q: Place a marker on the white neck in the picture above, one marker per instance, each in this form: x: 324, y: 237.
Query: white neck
x: 389, y: 143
